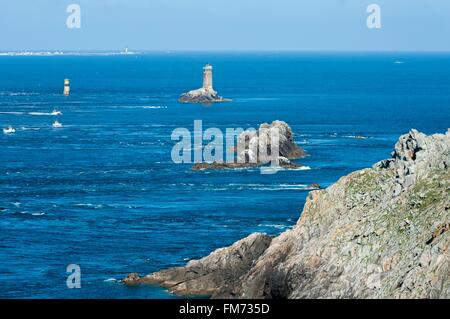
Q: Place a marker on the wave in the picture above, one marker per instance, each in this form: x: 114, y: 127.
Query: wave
x: 285, y: 188
x: 23, y: 128
x: 110, y: 280
x: 12, y: 113
x: 38, y: 214
x: 12, y: 93
x: 276, y: 226
x: 301, y: 168
x: 268, y: 187
x: 98, y: 206
x: 274, y: 169
x: 29, y: 213
x: 356, y: 136
x: 154, y: 107
x: 29, y: 113
x: 140, y: 106
x: 40, y: 113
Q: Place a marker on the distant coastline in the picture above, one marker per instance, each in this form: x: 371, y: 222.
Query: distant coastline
x: 212, y: 52
x: 66, y: 53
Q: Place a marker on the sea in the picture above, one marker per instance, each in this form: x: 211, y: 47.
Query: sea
x: 102, y: 192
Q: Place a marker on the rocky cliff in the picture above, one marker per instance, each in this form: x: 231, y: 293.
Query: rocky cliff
x: 382, y: 232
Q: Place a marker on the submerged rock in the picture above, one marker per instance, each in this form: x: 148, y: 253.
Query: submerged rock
x: 381, y: 232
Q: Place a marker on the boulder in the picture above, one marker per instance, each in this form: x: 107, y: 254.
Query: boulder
x: 254, y: 148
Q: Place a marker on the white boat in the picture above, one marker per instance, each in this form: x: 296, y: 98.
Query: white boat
x: 9, y: 130
x: 56, y: 124
x: 56, y: 112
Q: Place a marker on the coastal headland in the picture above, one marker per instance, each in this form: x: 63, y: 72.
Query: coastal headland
x: 380, y: 232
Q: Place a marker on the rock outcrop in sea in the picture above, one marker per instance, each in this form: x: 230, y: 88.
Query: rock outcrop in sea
x: 202, y: 95
x: 254, y: 148
x: 381, y: 232
x: 206, y: 94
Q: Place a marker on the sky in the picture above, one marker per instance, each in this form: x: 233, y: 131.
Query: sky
x: 225, y: 25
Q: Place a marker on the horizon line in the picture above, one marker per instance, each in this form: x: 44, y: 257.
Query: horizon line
x: 169, y: 51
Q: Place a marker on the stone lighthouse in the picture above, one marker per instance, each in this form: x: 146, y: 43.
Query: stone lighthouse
x: 207, y: 77
x: 206, y: 93
x: 66, y: 87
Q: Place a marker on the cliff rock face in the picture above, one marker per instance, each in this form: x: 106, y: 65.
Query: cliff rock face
x: 382, y: 232
x: 221, y: 268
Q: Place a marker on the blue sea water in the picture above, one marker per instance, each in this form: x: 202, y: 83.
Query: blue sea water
x: 103, y: 193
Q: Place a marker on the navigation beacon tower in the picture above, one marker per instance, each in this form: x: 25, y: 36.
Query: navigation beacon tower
x: 207, y: 77
x: 66, y: 87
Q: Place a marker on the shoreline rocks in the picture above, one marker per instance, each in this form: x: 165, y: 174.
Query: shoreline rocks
x: 221, y: 268
x: 380, y: 232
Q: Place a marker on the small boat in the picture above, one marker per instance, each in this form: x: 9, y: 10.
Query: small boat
x: 56, y: 112
x: 9, y: 130
x: 57, y: 124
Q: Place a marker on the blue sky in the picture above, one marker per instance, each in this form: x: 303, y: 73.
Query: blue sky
x: 319, y: 25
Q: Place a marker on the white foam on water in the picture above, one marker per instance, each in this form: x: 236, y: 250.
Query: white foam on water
x: 12, y: 113
x: 40, y: 113
x: 90, y: 205
x: 356, y: 136
x: 266, y: 187
x: 10, y: 93
x: 139, y: 106
x: 110, y: 280
x: 301, y: 168
x: 276, y: 226
x: 154, y: 107
x: 23, y: 128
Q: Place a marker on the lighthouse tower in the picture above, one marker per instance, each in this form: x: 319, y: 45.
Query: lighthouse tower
x: 66, y: 87
x: 207, y: 77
